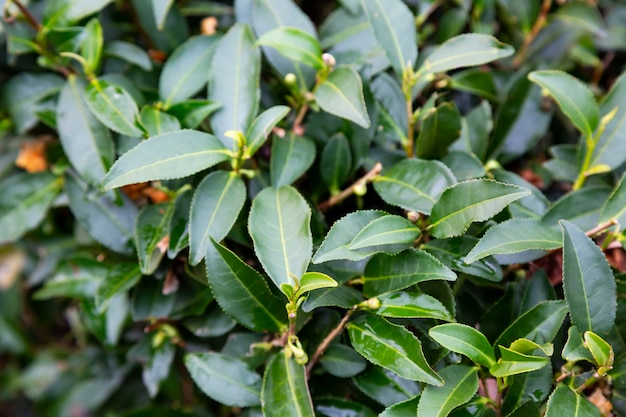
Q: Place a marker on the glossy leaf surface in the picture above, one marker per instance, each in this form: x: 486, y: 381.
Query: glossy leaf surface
x: 465, y: 340
x: 412, y: 305
x: 292, y: 156
x: 113, y: 106
x: 566, y: 403
x: 342, y: 95
x: 387, y: 230
x: 461, y: 383
x: 295, y: 44
x: 285, y: 391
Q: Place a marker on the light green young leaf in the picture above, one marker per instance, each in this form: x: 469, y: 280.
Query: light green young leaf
x: 393, y: 347
x: 601, y: 351
x: 414, y: 184
x: 157, y: 122
x: 337, y: 242
x: 292, y: 156
x: 294, y: 44
x: 86, y: 142
x: 588, y: 282
x: 185, y: 71
x: 465, y: 50
x: 285, y: 391
x: 387, y: 230
x: 574, y: 349
x: 151, y: 233
x: 234, y: 81
x: 91, y: 45
x: 225, y: 379
x: 279, y: 226
x: 471, y: 201
x: 461, y: 383
x: 341, y: 94
x: 215, y: 207
x: 566, y: 403
x: 113, y: 106
x: 513, y: 363
x: 25, y: 201
x: 385, y: 273
x: 465, y: 340
x: 514, y: 236
x: 394, y: 28
x: 572, y: 96
x: 311, y: 281
x: 171, y: 155
x: 404, y: 304
x: 262, y: 126
x: 242, y: 292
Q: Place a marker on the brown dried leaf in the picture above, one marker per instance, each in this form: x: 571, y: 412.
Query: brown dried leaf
x: 32, y: 156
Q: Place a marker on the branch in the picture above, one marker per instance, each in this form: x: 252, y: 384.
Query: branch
x: 335, y: 199
x: 601, y: 228
x: 329, y: 338
x: 539, y: 24
x: 28, y: 15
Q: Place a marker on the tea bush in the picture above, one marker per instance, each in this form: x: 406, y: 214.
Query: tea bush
x: 353, y: 208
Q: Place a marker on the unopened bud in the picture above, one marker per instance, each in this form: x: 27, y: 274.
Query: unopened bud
x: 290, y: 79
x: 370, y: 304
x: 360, y: 189
x: 413, y: 216
x: 329, y: 60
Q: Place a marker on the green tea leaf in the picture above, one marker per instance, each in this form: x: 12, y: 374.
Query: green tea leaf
x: 157, y: 122
x: 342, y: 361
x: 513, y: 363
x: 514, y: 236
x: 465, y: 340
x: 341, y: 94
x: 279, y: 225
x: 385, y: 386
x: 387, y: 230
x: 113, y: 106
x: 601, y: 351
x: 160, y: 8
x: 452, y: 252
x: 574, y: 349
x: 572, y: 96
x: 120, y: 279
x: 242, y: 292
x: 334, y: 407
x: 311, y: 281
x: 292, y: 156
x: 540, y: 324
x: 262, y: 126
x: 215, y: 207
x: 25, y: 201
x: 179, y: 224
x: 294, y: 44
x: 385, y: 273
x: 461, y: 383
x: 393, y: 347
x: 337, y: 242
x: 581, y: 207
x: 234, y: 82
x: 615, y: 206
x: 336, y: 162
x: 414, y: 184
x: 191, y: 113
x: 401, y: 409
x: 441, y: 126
x: 171, y: 155
x: 285, y: 391
x: 394, y: 28
x: 224, y: 379
x: 130, y: 53
x: 341, y: 296
x: 91, y: 45
x: 185, y: 71
x: 465, y: 50
x: 566, y: 403
x: 412, y: 305
x: 151, y: 235
x: 471, y: 201
x: 588, y: 282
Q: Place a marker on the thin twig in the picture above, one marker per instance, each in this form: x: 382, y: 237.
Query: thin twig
x: 297, y: 128
x: 601, y: 228
x: 335, y: 199
x: 539, y: 24
x: 28, y: 15
x: 410, y: 145
x: 326, y: 342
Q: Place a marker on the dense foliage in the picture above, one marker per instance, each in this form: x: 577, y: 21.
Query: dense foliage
x: 352, y: 208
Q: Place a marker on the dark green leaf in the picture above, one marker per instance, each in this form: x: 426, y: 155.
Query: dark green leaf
x: 451, y: 252
x: 279, y: 226
x: 394, y: 28
x: 412, y: 305
x: 156, y: 122
x: 242, y: 292
x: 191, y: 113
x: 342, y: 361
x: 291, y: 157
x: 262, y: 126
x: 336, y: 163
x: 333, y: 407
x: 513, y: 236
x: 385, y: 273
x: 580, y: 207
x: 171, y: 155
x: 86, y: 142
x: 401, y: 409
x: 465, y: 340
x: 179, y: 224
x: 129, y: 52
x: 615, y: 206
x: 540, y: 324
x: 441, y: 126
x: 341, y: 94
x: 461, y: 383
x: 238, y: 87
x: 214, y: 209
x: 588, y: 282
x: 119, y: 280
x: 285, y: 392
x: 387, y: 230
x: 400, y: 186
x: 572, y: 96
x: 295, y: 44
x: 464, y: 165
x: 25, y: 201
x: 475, y: 81
x: 160, y: 8
x: 471, y: 201
x: 185, y: 71
x: 384, y: 386
x: 151, y: 235
x: 113, y: 106
x: 392, y: 347
x: 566, y: 403
x: 224, y: 379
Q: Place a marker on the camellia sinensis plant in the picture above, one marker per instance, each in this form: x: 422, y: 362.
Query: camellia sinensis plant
x: 344, y: 208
